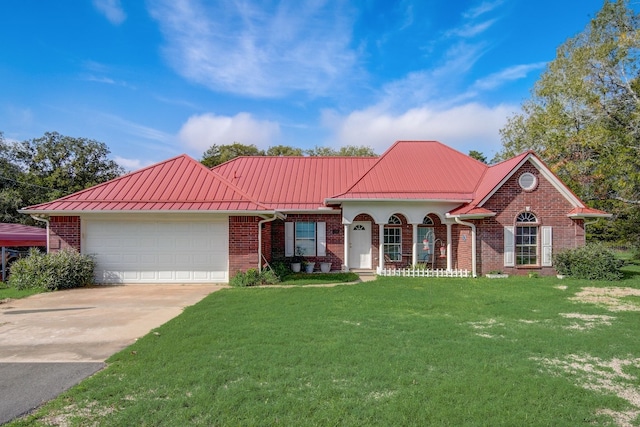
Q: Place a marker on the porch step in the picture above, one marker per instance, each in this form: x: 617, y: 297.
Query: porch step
x: 364, y: 275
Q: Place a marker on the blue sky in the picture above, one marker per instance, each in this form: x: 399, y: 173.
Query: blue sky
x: 159, y: 78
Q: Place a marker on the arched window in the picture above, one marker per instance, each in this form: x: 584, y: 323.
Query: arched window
x: 527, y: 239
x: 393, y: 239
x: 394, y: 220
x: 427, y: 221
x: 426, y: 240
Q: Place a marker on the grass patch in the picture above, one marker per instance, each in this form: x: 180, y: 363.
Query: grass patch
x: 13, y: 293
x: 395, y: 351
x: 317, y: 278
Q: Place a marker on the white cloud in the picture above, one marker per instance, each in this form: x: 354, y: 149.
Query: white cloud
x: 257, y: 50
x: 515, y: 72
x: 484, y: 7
x: 131, y: 164
x: 112, y: 10
x: 202, y: 131
x: 472, y: 29
x: 472, y: 126
x: 136, y: 129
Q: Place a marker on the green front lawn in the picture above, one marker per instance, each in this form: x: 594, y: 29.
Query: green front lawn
x: 13, y: 293
x: 413, y: 352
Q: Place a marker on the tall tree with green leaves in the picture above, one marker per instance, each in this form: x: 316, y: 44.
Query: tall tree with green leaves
x: 43, y: 169
x: 218, y: 154
x: 284, y: 150
x: 11, y: 190
x: 583, y: 117
x: 478, y: 156
x: 345, y: 151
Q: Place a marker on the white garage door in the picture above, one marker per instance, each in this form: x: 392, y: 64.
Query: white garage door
x: 158, y: 251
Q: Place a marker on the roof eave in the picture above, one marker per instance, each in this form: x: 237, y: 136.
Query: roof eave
x: 589, y: 215
x: 340, y: 200
x: 471, y: 215
x: 150, y: 211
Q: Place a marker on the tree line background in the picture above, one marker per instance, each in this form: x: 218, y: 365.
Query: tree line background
x: 583, y: 120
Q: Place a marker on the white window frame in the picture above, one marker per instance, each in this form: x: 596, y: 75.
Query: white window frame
x: 544, y: 242
x: 392, y: 247
x: 292, y: 239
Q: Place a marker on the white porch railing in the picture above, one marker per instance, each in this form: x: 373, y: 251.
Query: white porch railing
x: 422, y: 272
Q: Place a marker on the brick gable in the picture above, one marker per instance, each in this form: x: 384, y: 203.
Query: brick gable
x: 549, y: 206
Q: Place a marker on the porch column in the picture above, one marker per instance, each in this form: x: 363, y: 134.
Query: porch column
x: 414, y: 247
x: 345, y: 262
x: 449, y: 246
x: 381, y: 246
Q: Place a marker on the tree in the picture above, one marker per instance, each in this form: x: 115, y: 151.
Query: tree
x: 583, y: 117
x: 346, y: 151
x: 11, y: 198
x: 478, y: 156
x: 356, y: 151
x: 46, y: 168
x: 284, y: 150
x: 218, y: 154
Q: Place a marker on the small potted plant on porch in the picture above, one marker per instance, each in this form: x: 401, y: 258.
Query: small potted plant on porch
x: 307, y: 266
x: 297, y: 261
x: 325, y: 267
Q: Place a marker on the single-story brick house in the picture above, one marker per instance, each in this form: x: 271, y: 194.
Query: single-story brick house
x: 420, y: 202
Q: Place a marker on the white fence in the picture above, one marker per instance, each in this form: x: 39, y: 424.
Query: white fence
x: 423, y: 272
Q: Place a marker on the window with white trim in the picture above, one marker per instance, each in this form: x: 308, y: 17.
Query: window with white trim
x: 528, y: 181
x: 526, y: 239
x: 305, y: 238
x: 392, y: 239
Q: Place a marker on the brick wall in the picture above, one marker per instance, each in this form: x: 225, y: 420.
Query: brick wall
x: 243, y: 243
x: 439, y: 229
x: 461, y: 247
x: 549, y: 206
x: 335, y: 238
x: 64, y: 232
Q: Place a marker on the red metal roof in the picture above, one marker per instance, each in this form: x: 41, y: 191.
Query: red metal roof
x: 289, y: 183
x: 178, y: 184
x: 423, y: 170
x: 22, y: 235
x: 408, y: 170
x: 492, y: 177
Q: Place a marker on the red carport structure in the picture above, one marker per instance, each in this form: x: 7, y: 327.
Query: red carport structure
x: 18, y: 235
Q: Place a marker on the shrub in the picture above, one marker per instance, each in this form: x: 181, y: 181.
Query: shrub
x: 281, y: 269
x: 251, y: 277
x: 593, y: 261
x: 60, y: 270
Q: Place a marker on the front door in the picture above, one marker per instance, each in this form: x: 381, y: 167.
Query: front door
x: 360, y: 244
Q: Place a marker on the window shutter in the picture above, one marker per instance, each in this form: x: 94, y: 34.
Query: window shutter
x: 321, y: 230
x: 289, y: 239
x: 547, y: 247
x: 509, y: 247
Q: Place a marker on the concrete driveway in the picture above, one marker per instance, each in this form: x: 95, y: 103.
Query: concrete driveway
x: 50, y: 342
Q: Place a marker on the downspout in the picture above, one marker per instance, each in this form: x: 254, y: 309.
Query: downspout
x: 264, y: 221
x: 46, y: 221
x: 473, y: 244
